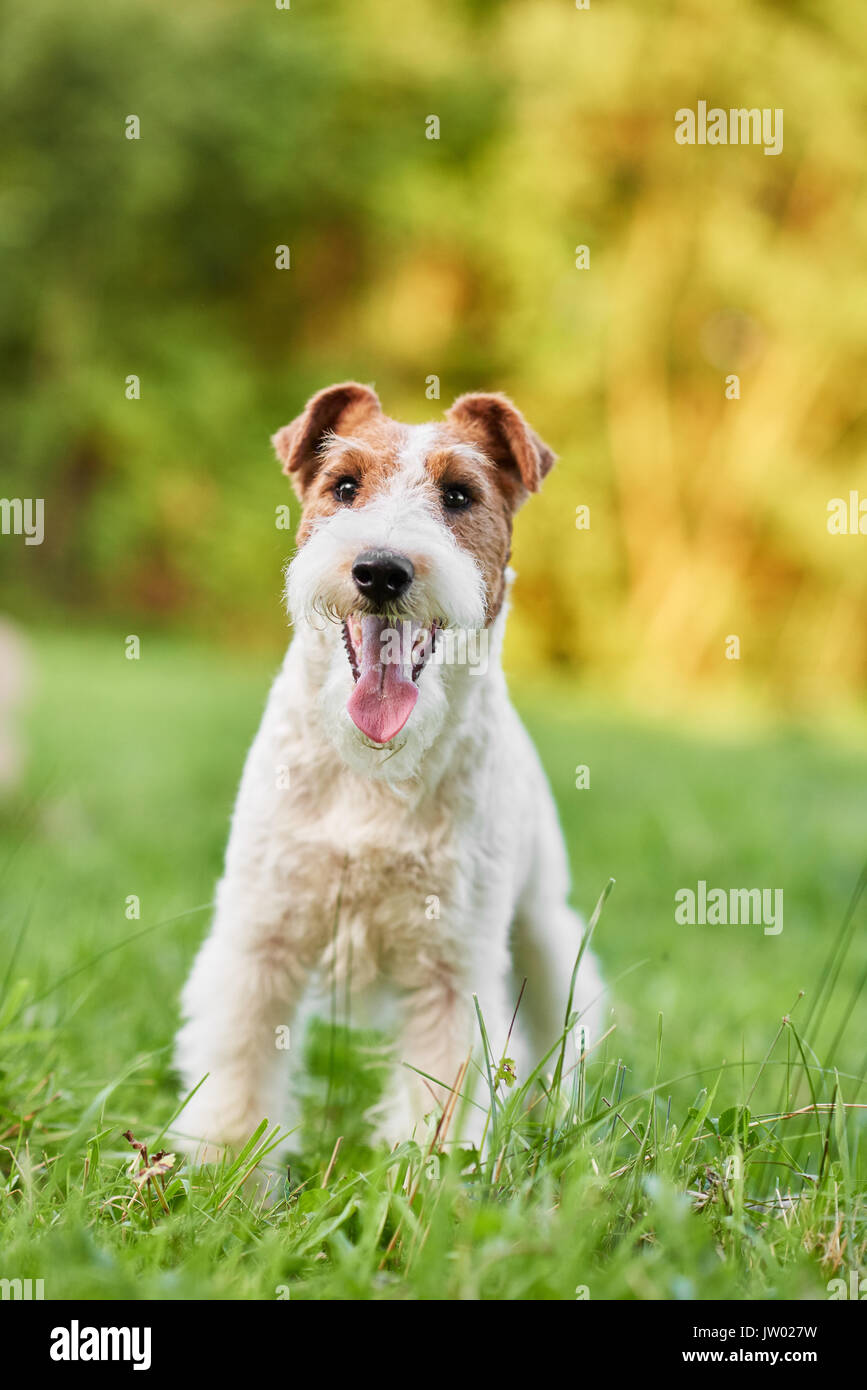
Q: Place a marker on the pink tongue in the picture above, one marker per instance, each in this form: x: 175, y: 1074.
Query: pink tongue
x: 385, y: 693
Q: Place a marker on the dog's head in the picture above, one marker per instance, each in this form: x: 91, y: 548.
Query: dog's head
x: 403, y: 545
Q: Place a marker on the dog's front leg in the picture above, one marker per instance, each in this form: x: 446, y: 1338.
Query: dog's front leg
x: 440, y: 1032
x: 238, y: 1003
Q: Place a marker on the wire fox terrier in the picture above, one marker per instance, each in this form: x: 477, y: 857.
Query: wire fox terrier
x: 393, y: 823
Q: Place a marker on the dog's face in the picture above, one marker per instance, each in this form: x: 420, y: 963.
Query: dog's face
x: 403, y: 542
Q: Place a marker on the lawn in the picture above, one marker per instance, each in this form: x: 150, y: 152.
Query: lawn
x: 669, y: 1165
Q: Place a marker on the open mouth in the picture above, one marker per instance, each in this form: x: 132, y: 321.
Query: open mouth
x: 386, y: 659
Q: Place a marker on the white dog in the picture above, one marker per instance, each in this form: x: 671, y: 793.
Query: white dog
x: 393, y: 822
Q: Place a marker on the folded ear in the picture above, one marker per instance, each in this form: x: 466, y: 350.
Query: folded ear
x: 502, y: 432
x: 336, y: 410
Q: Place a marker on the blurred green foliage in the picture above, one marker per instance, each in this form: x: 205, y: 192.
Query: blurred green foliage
x: 454, y: 257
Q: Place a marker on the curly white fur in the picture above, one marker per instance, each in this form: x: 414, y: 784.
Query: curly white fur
x: 435, y: 864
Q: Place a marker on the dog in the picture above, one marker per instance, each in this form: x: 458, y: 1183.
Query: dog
x: 393, y: 822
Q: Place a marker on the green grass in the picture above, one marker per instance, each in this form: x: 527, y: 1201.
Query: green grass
x: 614, y: 1179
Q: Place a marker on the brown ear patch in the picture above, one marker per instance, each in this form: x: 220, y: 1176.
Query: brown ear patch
x: 337, y: 409
x: 492, y: 422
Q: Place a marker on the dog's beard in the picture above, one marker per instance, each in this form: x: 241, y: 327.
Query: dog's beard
x: 385, y: 651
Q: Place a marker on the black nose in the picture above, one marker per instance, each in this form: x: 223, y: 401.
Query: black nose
x: 382, y: 576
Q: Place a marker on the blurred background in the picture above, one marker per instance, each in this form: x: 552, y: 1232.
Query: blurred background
x: 455, y: 258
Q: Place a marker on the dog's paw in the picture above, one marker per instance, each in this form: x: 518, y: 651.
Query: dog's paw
x: 200, y: 1152
x: 213, y: 1135
x: 395, y: 1122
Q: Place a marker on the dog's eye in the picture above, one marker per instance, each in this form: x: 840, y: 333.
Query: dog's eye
x: 345, y: 490
x: 456, y: 498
